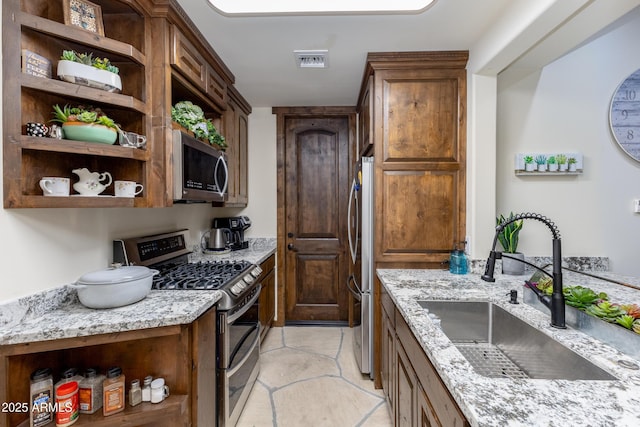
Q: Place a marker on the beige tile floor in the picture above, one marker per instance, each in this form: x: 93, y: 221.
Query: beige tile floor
x: 309, y: 377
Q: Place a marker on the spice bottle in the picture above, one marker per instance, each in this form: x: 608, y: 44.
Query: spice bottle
x: 146, y: 389
x: 67, y: 404
x: 135, y: 393
x: 113, y: 392
x: 90, y: 392
x: 41, y: 398
x: 68, y: 375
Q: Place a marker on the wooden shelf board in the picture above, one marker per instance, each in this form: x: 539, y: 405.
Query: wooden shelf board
x: 173, y: 406
x: 77, y: 35
x: 547, y: 173
x: 76, y: 202
x: 66, y: 89
x: 81, y: 147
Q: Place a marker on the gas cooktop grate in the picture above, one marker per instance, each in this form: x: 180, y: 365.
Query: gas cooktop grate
x: 490, y: 361
x: 198, y: 276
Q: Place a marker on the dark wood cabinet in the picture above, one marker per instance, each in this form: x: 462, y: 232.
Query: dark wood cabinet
x: 236, y: 131
x: 365, y: 120
x: 415, y: 392
x: 184, y: 355
x: 267, y: 301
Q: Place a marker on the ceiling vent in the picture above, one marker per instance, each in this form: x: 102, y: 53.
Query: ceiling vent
x: 312, y: 58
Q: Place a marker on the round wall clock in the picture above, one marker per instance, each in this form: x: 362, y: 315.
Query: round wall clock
x: 624, y: 115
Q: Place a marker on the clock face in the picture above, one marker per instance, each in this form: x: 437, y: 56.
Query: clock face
x: 624, y: 115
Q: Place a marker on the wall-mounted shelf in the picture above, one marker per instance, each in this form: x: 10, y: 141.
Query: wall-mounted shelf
x: 574, y: 165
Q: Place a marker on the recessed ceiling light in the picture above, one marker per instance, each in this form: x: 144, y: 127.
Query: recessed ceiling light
x: 280, y: 7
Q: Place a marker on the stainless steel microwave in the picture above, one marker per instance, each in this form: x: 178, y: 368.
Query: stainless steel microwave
x: 200, y: 172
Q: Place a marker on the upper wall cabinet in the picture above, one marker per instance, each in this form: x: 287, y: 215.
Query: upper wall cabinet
x: 418, y: 132
x: 34, y: 37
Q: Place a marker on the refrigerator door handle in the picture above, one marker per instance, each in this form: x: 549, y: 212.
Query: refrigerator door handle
x: 355, y: 290
x: 353, y: 242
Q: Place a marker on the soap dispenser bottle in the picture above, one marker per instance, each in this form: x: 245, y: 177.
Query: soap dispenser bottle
x: 458, y: 261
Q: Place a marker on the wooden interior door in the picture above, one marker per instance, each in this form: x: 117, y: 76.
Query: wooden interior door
x: 315, y: 220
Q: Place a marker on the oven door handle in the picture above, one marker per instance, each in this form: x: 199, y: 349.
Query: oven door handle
x: 246, y: 307
x: 239, y: 365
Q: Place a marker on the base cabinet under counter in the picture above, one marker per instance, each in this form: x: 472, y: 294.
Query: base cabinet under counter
x: 184, y: 355
x: 415, y: 392
x: 267, y: 302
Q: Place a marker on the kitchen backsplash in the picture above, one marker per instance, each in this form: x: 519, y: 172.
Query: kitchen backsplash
x: 601, y: 264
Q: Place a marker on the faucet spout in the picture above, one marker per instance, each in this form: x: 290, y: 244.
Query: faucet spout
x: 556, y: 304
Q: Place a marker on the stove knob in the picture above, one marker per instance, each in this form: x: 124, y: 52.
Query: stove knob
x: 257, y: 271
x: 236, y: 290
x: 249, y: 278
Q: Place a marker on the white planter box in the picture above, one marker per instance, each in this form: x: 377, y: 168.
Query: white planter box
x: 86, y: 75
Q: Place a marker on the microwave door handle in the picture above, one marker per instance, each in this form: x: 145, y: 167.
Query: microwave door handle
x: 226, y: 175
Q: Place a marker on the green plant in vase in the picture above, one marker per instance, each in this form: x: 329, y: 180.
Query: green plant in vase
x: 83, y: 69
x: 541, y: 161
x: 86, y: 124
x: 552, y: 165
x: 528, y: 163
x: 572, y: 162
x: 562, y: 162
x: 508, y: 238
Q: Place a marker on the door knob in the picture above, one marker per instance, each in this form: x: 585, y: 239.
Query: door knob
x: 291, y: 247
x: 289, y: 234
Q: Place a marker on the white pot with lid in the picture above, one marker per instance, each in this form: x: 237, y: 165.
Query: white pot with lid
x: 116, y: 286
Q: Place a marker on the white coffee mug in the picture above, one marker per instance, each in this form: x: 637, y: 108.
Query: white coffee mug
x: 132, y: 139
x: 159, y: 390
x: 128, y: 188
x: 55, y: 186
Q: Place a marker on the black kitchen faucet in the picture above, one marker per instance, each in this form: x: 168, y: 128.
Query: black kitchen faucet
x: 555, y: 302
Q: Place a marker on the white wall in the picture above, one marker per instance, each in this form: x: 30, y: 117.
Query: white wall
x: 564, y: 107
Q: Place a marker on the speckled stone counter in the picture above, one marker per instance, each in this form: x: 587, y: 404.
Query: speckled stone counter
x: 57, y: 313
x: 519, y: 402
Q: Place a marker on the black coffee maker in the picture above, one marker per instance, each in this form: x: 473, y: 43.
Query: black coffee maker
x: 237, y: 225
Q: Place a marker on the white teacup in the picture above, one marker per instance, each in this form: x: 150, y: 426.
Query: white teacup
x: 55, y: 186
x: 128, y: 188
x: 132, y: 139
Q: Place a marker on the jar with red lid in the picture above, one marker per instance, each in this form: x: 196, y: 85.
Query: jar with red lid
x: 67, y: 404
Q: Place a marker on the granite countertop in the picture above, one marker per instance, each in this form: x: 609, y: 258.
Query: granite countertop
x: 519, y: 402
x: 57, y: 313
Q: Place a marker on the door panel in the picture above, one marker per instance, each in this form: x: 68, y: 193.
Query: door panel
x: 316, y: 177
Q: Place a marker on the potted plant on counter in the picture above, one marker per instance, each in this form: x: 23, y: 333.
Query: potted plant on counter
x: 85, y: 70
x: 85, y: 124
x: 508, y: 238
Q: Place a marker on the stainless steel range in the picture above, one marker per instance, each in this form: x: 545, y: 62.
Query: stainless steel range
x: 238, y: 326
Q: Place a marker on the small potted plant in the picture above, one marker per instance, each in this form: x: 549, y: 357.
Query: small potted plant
x: 541, y: 161
x: 85, y: 70
x: 508, y: 238
x: 562, y: 162
x: 552, y: 165
x: 572, y: 164
x: 85, y: 124
x: 191, y: 117
x: 528, y: 163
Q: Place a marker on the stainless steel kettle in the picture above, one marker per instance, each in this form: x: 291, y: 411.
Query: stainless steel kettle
x: 219, y: 239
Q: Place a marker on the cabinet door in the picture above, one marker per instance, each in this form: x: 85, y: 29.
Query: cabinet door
x: 185, y: 57
x: 406, y: 409
x: 242, y: 190
x: 267, y: 303
x: 426, y: 414
x: 233, y: 155
x: 365, y: 121
x: 216, y: 87
x: 421, y: 164
x: 204, y: 369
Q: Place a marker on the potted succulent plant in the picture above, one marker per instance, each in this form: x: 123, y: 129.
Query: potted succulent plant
x: 528, y: 163
x: 85, y: 124
x: 552, y: 165
x: 562, y: 162
x: 84, y: 69
x: 191, y: 117
x: 541, y: 161
x: 508, y: 238
x: 572, y: 164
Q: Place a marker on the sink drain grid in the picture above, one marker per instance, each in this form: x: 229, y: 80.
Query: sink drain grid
x: 489, y: 361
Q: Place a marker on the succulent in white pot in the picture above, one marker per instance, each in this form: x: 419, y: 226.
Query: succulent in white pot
x: 85, y: 70
x: 562, y: 162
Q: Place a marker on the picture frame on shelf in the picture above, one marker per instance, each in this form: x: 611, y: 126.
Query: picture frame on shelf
x: 566, y: 163
x: 83, y: 14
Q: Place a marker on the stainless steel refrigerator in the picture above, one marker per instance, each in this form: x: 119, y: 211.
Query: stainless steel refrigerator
x: 360, y: 282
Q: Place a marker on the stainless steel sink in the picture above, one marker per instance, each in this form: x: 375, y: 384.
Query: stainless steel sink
x: 498, y: 344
